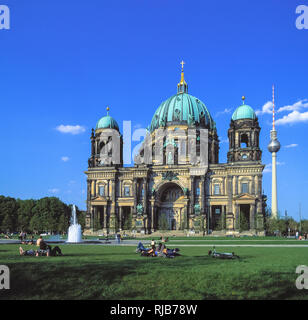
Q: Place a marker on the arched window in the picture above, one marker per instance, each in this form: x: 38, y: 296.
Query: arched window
x: 101, y: 190
x: 244, y: 140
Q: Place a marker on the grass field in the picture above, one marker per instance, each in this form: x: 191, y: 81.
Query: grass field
x: 117, y: 272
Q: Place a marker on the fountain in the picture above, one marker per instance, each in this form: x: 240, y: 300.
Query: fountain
x: 74, y: 231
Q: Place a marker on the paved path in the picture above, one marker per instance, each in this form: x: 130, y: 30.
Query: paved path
x: 134, y: 243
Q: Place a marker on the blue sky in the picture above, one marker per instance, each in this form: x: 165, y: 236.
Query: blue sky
x: 63, y: 62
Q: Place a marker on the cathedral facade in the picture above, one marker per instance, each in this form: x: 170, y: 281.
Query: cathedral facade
x: 177, y: 182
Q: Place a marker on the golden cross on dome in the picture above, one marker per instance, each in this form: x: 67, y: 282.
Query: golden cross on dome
x: 182, y: 63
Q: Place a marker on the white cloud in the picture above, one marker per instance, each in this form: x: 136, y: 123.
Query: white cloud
x: 293, y: 117
x: 65, y: 159
x: 292, y: 145
x: 54, y: 190
x: 266, y: 109
x: 226, y: 111
x: 268, y: 167
x: 301, y: 104
x: 294, y: 114
x: 70, y: 129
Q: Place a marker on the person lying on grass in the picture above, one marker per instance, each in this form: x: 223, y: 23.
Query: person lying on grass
x: 31, y: 252
x: 224, y: 255
x: 141, y: 248
x: 56, y: 251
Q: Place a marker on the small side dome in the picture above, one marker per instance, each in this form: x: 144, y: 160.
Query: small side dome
x: 244, y: 112
x: 107, y: 122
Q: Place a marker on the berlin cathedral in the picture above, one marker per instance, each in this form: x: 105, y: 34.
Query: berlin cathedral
x: 175, y: 192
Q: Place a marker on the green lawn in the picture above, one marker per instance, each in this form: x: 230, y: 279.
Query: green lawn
x: 111, y: 272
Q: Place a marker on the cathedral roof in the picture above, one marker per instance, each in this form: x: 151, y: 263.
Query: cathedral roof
x: 243, y: 112
x: 182, y: 108
x: 107, y: 122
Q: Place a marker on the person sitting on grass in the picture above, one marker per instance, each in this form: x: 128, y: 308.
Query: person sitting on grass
x: 153, y: 244
x: 56, y: 251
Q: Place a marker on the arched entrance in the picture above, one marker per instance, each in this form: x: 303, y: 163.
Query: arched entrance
x: 170, y: 207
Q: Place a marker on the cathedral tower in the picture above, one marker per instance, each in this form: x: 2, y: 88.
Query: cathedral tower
x: 243, y: 135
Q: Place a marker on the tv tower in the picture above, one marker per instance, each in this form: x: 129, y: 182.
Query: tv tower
x: 273, y: 148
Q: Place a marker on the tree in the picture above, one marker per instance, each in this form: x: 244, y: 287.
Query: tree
x: 128, y: 222
x: 305, y: 226
x: 8, y: 214
x: 244, y: 225
x: 163, y: 223
x: 25, y: 213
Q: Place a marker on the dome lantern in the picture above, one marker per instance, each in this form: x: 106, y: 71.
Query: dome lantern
x: 182, y: 85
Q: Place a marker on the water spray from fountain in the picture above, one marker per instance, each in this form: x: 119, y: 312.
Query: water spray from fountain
x: 74, y: 231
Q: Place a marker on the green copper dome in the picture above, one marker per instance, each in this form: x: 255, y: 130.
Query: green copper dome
x: 244, y: 112
x: 182, y: 108
x: 107, y: 122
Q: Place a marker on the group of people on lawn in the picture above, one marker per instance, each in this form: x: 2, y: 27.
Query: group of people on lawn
x: 43, y: 250
x: 160, y: 251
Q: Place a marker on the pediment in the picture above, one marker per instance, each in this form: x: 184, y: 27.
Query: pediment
x: 245, y: 196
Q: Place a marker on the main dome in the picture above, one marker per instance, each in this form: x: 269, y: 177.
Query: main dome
x: 182, y: 108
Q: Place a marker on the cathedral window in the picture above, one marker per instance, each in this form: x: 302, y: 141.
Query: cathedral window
x: 245, y: 187
x: 216, y: 189
x: 126, y: 191
x: 197, y: 191
x: 101, y: 190
x: 244, y: 140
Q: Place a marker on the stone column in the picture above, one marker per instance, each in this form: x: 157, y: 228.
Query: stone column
x: 113, y: 215
x: 92, y: 218
x: 120, y: 218
x: 145, y: 195
x: 253, y: 185
x: 152, y: 215
x: 135, y: 192
x: 202, y: 195
x: 259, y: 215
x: 186, y: 217
x: 236, y: 185
x: 256, y: 184
x: 192, y: 194
x: 223, y: 217
x: 92, y: 188
x: 260, y: 185
x: 95, y: 218
x: 229, y: 192
x: 237, y: 143
x: 211, y: 218
x: 88, y: 190
x: 237, y: 217
x: 252, y: 216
